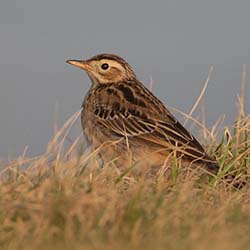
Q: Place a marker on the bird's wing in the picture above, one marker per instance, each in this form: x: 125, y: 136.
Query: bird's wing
x: 123, y: 122
x: 132, y: 122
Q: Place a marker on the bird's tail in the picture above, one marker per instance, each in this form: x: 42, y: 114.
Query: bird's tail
x: 229, y: 178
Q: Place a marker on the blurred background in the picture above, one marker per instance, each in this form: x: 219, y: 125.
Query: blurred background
x: 173, y: 42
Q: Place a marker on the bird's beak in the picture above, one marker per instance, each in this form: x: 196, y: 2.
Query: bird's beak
x: 80, y: 64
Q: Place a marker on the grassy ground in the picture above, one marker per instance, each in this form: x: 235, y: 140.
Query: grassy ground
x: 55, y: 202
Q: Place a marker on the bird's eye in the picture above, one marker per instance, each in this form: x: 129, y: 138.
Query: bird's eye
x: 104, y: 66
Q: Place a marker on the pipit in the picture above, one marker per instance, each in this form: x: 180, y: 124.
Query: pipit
x: 126, y: 123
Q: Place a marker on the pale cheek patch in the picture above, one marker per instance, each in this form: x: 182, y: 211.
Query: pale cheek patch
x: 112, y: 75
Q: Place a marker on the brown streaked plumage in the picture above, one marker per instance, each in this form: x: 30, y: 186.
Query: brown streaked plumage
x: 125, y: 121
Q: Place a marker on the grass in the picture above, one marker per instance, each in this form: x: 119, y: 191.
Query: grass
x: 62, y: 200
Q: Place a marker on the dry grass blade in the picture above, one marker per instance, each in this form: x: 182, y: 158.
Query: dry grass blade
x: 200, y: 96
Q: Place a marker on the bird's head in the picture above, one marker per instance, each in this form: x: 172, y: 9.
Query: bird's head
x: 105, y: 68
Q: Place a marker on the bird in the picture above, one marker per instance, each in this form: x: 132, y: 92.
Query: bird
x: 126, y: 123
